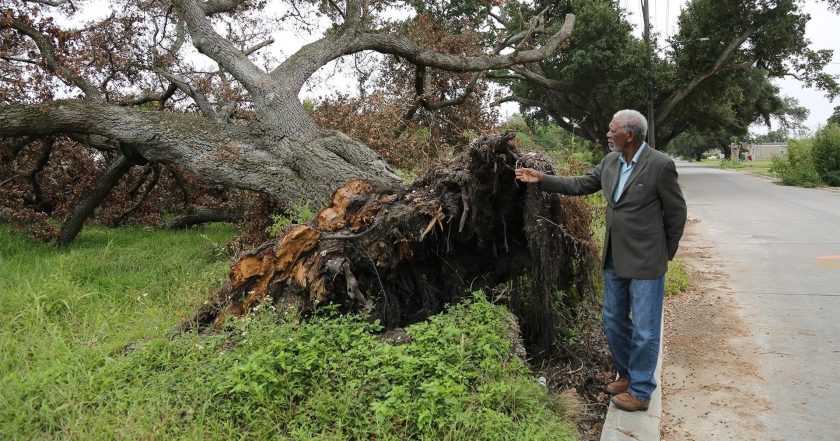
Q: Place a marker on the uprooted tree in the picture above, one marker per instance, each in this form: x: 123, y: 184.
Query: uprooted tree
x: 393, y: 252
x: 250, y: 131
x: 399, y: 254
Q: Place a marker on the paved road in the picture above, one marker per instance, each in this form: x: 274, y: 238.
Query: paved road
x: 780, y: 249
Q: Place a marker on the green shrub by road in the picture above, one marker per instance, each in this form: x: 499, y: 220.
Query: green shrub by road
x: 826, y: 151
x: 811, y: 162
x: 797, y: 166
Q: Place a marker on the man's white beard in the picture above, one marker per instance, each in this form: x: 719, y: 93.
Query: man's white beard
x: 615, y: 148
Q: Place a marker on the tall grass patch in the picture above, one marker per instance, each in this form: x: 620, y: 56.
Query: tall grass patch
x: 676, y: 279
x: 69, y: 310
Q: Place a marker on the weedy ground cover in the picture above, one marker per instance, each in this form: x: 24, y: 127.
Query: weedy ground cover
x: 88, y: 353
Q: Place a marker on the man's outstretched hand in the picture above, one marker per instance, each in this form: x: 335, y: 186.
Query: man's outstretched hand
x: 529, y: 175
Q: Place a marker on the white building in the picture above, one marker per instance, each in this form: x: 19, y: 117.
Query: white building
x: 765, y: 152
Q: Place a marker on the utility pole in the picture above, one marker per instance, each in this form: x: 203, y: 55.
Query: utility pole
x: 651, y: 134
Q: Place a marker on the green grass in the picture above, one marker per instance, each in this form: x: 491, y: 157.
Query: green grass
x: 109, y: 288
x: 756, y: 167
x: 87, y: 353
x: 676, y: 279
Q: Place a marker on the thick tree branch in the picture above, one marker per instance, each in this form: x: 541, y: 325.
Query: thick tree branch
x: 49, y: 2
x: 504, y: 76
x: 405, y: 48
x: 718, y: 67
x: 211, y: 7
x: 46, y: 151
x: 162, y: 98
x: 221, y: 50
x: 179, y: 180
x: 292, y: 170
x: 51, y: 61
x: 200, y: 100
x: 300, y: 66
x: 540, y: 79
x: 517, y: 99
x: 147, y: 170
x: 203, y: 215
x: 20, y: 60
x: 353, y: 15
x: 84, y: 208
x: 258, y: 46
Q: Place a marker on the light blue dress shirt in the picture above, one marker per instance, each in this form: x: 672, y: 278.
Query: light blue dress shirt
x: 626, y: 170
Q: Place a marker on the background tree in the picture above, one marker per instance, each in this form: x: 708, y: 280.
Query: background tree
x: 714, y: 74
x: 239, y: 123
x: 693, y: 145
x: 790, y: 123
x: 835, y: 116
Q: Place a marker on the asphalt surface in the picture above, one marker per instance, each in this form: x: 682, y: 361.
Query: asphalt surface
x: 779, y: 250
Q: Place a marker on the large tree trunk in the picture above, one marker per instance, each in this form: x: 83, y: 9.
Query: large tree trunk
x: 399, y: 254
x: 294, y: 162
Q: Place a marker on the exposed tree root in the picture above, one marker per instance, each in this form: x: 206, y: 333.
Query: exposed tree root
x: 400, y: 254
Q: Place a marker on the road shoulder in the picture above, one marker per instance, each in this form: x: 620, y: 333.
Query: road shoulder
x: 711, y: 385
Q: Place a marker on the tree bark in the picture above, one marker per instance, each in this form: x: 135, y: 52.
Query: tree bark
x: 203, y: 215
x: 303, y: 169
x: 84, y: 208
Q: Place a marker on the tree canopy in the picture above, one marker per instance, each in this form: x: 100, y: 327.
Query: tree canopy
x: 835, y: 116
x: 712, y: 75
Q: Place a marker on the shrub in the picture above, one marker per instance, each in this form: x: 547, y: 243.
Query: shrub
x: 298, y: 214
x: 797, y: 166
x: 826, y: 152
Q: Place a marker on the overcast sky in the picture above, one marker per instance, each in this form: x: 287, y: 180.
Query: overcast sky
x: 823, y: 30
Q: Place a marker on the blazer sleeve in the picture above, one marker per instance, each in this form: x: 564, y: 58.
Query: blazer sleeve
x: 586, y: 184
x: 673, y: 207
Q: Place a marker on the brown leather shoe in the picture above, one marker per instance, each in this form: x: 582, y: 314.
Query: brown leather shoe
x: 625, y: 401
x: 618, y: 386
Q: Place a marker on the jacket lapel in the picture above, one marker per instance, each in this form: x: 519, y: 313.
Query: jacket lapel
x: 640, y: 166
x: 614, y: 171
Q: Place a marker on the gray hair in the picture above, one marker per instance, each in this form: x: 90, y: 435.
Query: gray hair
x: 631, y: 120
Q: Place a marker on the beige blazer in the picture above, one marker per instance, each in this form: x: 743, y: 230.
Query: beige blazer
x: 645, y: 225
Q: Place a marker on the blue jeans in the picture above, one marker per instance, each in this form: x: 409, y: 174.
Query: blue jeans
x: 633, y: 340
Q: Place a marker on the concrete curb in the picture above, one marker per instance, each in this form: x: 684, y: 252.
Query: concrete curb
x: 637, y: 426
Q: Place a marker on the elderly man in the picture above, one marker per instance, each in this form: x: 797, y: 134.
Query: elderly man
x: 646, y: 215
